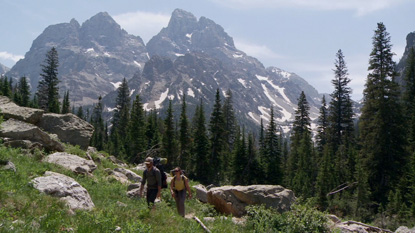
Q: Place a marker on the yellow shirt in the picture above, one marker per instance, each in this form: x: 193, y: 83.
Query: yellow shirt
x: 179, y: 184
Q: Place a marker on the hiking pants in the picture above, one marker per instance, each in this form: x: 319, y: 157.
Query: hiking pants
x: 180, y: 197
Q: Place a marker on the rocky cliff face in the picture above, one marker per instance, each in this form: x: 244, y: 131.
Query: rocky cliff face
x: 93, y: 57
x: 410, y: 43
x: 3, y: 69
x: 195, y: 57
x: 190, y: 56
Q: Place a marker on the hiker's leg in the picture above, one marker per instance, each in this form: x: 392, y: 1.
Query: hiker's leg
x: 151, y: 197
x: 181, y: 199
x: 177, y: 199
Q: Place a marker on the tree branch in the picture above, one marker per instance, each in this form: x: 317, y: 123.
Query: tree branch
x: 345, y: 187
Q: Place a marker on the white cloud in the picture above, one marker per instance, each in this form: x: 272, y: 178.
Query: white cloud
x: 259, y: 51
x: 9, y: 56
x: 143, y: 24
x: 362, y: 7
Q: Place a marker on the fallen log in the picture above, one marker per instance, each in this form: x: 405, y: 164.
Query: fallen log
x: 201, y: 224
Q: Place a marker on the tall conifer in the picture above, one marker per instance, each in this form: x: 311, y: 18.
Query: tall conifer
x: 381, y: 130
x: 48, y: 90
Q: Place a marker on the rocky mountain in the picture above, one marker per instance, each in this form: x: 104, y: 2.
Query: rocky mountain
x: 195, y: 57
x: 3, y: 69
x: 93, y: 58
x: 410, y: 43
x: 190, y: 56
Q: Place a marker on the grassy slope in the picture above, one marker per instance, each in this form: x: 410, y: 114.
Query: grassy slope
x: 25, y: 209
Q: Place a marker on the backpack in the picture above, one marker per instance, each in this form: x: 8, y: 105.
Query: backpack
x: 158, y: 163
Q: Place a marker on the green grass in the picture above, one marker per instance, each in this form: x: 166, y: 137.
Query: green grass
x: 25, y: 209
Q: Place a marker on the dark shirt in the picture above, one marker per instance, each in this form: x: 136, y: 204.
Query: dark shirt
x: 153, y: 178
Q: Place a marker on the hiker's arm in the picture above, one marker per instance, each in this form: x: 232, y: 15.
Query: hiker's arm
x: 171, y: 186
x: 158, y: 177
x: 143, y: 182
x: 186, y: 182
x: 159, y: 192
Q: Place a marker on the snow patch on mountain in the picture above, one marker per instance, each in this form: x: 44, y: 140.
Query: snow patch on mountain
x: 282, y: 73
x: 250, y: 114
x: 190, y: 92
x: 138, y: 64
x: 261, y: 78
x: 116, y: 85
x: 243, y: 82
x: 285, y: 115
x: 132, y: 92
x: 163, y: 97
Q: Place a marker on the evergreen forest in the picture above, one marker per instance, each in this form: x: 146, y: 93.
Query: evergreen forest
x: 360, y: 167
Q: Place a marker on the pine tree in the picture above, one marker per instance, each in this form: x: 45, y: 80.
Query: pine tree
x: 340, y: 121
x: 408, y: 101
x: 217, y: 141
x: 152, y: 130
x: 80, y: 112
x: 240, y: 161
x: 48, y: 90
x: 24, y: 91
x: 322, y: 126
x: 381, y: 130
x: 300, y: 164
x: 169, y: 141
x: 201, y: 148
x: 184, y: 137
x: 66, y: 104
x: 230, y: 120
x: 98, y: 137
x: 137, y: 131
x: 6, y: 90
x: 409, y: 98
x: 272, y: 153
x: 120, y: 120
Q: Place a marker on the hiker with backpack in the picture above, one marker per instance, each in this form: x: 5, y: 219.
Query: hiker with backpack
x: 178, y: 186
x: 153, y: 178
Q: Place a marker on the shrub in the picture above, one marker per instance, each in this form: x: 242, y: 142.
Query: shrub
x: 302, y: 218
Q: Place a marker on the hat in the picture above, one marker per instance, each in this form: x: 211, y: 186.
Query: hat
x: 148, y: 160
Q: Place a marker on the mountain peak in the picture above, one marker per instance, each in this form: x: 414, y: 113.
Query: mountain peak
x: 101, y: 20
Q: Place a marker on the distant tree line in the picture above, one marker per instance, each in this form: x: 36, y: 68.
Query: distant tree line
x: 362, y: 168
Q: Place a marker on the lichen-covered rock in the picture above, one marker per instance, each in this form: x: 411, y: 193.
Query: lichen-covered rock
x: 14, y: 111
x: 71, y: 162
x: 68, y: 127
x: 19, y: 130
x: 234, y: 199
x: 66, y: 188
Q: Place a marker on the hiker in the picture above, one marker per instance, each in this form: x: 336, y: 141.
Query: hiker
x: 153, y: 178
x: 178, y: 186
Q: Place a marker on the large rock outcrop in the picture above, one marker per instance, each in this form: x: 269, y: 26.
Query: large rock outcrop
x: 71, y: 162
x: 234, y: 199
x: 66, y: 188
x: 12, y: 110
x: 18, y: 130
x: 69, y: 128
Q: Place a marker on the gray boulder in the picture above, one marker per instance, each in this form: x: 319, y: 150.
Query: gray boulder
x: 24, y: 144
x: 12, y: 110
x: 132, y: 176
x: 403, y: 229
x: 71, y: 162
x: 234, y: 199
x: 116, y: 161
x: 66, y: 188
x: 7, y: 165
x: 118, y: 176
x: 201, y: 193
x: 18, y: 130
x: 69, y: 128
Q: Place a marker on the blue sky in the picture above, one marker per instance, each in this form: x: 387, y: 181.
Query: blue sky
x: 300, y: 36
